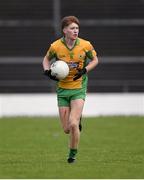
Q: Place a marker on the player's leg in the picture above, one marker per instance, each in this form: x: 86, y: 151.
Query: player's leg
x: 74, y: 118
x: 64, y: 111
x: 64, y: 117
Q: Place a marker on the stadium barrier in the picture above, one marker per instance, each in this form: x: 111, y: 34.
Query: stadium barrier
x: 95, y: 105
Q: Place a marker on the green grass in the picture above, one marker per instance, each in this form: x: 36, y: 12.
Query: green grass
x: 110, y: 147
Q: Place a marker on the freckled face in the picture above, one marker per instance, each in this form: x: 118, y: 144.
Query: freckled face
x: 71, y: 31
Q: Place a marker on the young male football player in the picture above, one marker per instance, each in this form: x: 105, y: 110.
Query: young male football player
x: 71, y: 91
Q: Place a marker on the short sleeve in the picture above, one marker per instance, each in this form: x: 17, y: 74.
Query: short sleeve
x: 51, y: 53
x: 90, y: 51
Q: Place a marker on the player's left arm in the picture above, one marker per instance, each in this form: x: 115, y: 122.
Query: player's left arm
x: 92, y: 55
x: 92, y: 64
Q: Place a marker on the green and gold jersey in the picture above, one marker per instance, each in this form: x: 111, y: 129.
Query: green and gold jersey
x: 75, y: 58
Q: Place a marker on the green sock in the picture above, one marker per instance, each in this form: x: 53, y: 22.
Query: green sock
x: 72, y: 153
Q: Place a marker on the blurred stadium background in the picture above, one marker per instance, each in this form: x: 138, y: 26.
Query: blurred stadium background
x: 115, y: 28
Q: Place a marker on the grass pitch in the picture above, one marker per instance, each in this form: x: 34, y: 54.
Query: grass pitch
x: 110, y: 147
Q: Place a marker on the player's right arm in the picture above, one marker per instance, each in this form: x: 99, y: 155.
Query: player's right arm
x: 46, y: 63
x: 46, y: 68
x: 51, y: 53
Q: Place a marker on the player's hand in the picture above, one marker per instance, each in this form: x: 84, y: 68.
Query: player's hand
x: 48, y: 73
x: 80, y: 73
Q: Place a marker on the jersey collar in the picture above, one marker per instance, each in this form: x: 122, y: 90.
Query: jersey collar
x: 64, y: 42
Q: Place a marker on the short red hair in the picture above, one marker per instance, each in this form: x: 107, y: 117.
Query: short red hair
x: 67, y: 20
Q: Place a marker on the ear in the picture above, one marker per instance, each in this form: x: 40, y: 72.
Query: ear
x: 64, y: 30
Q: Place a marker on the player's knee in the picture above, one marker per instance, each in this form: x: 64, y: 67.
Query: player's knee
x: 73, y: 125
x: 66, y: 130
